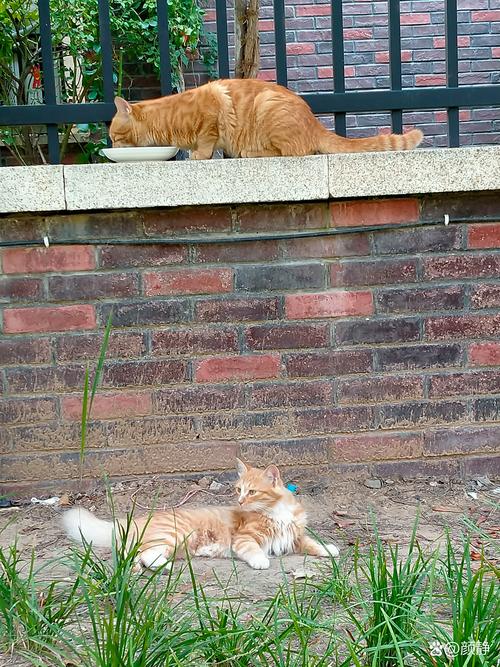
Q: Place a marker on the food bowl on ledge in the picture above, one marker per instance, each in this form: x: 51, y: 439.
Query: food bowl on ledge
x: 140, y: 153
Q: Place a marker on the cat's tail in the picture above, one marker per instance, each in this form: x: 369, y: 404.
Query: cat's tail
x: 82, y: 526
x: 328, y: 142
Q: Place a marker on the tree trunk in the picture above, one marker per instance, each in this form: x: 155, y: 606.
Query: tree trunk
x: 246, y: 38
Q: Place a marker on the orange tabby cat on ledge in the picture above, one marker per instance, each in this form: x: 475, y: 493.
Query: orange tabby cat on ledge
x: 244, y: 118
x: 269, y: 521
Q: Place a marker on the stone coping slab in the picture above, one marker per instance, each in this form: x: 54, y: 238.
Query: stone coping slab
x: 319, y: 177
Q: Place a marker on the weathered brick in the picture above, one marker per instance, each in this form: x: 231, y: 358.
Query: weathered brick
x: 22, y: 410
x: 87, y: 346
x: 420, y: 300
x: 136, y: 313
x: 268, y: 217
x: 299, y: 49
x: 475, y: 466
x: 58, y: 318
x: 94, y: 286
x: 250, y: 309
x: 46, y: 260
x: 21, y: 289
x: 283, y: 336
x: 488, y: 15
x: 462, y: 326
x: 37, y: 379
x: 24, y: 351
x: 415, y: 18
x: 483, y: 235
x: 464, y: 384
x: 462, y: 440
x: 187, y: 219
x: 485, y: 296
x: 462, y: 266
x: 418, y: 240
x: 280, y: 277
x: 247, y: 251
x: 146, y: 430
x: 373, y: 212
x: 199, y: 399
x: 380, y: 389
x: 290, y: 394
x: 486, y: 409
x: 328, y: 304
x: 108, y: 406
x: 188, y: 281
x: 340, y: 245
x: 246, y: 367
x: 421, y: 413
x: 430, y: 80
x: 484, y: 354
x: 59, y: 435
x: 125, y: 256
x: 313, y: 10
x: 140, y: 373
x: 330, y: 363
x: 418, y: 356
x: 374, y: 447
x: 373, y: 272
x: 242, y: 426
x: 462, y: 206
x: 417, y: 469
x: 334, y: 420
x: 377, y: 331
x: 301, y: 452
x: 194, y: 341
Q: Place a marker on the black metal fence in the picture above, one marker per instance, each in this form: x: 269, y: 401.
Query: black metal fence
x: 451, y: 97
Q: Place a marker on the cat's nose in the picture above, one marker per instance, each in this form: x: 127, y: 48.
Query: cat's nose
x: 241, y: 500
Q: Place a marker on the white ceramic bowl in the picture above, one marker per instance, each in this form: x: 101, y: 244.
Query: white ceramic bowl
x: 140, y: 153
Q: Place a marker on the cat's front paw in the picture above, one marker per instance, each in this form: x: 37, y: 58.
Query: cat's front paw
x: 258, y: 561
x: 331, y: 550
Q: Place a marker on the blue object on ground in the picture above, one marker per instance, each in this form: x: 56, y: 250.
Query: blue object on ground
x: 292, y: 487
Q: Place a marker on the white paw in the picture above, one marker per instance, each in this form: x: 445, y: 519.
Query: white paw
x: 258, y: 562
x: 154, y: 559
x: 331, y: 550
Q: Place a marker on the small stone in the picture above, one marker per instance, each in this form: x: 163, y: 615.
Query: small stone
x: 433, y: 483
x: 216, y: 486
x: 373, y: 483
x: 204, y: 482
x: 65, y: 500
x: 389, y: 482
x: 483, y: 481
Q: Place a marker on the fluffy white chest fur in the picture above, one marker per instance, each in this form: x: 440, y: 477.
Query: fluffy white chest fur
x: 285, y: 531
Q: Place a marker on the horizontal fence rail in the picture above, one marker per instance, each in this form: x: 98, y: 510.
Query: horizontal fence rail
x: 395, y: 100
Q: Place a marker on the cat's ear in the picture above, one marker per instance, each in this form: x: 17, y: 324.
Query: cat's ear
x: 122, y: 106
x: 241, y: 468
x: 273, y: 474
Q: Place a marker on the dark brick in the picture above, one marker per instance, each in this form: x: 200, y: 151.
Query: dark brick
x: 418, y: 356
x: 22, y: 410
x: 461, y: 206
x: 464, y: 326
x: 485, y: 296
x: 462, y: 266
x: 87, y: 346
x: 94, y: 286
x: 417, y: 240
x: 199, y: 399
x: 482, y: 465
x: 412, y: 414
x: 379, y: 389
x: 377, y: 331
x: 291, y: 394
x: 331, y: 363
x: 156, y: 430
x: 409, y: 470
x: 374, y: 447
x: 230, y: 310
x: 420, y: 300
x: 464, y: 384
x: 487, y: 409
x: 293, y: 336
x: 280, y: 277
x: 187, y: 219
x: 267, y: 217
x: 125, y: 256
x: 24, y: 351
x: 463, y: 440
x: 194, y: 341
x: 91, y: 225
x: 373, y: 272
x: 45, y: 379
x: 21, y: 289
x: 248, y: 251
x: 63, y: 436
x: 140, y: 373
x: 340, y: 245
x: 301, y: 452
x: 129, y: 314
x: 243, y: 426
x: 333, y: 420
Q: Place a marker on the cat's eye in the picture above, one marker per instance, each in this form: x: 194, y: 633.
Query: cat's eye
x: 252, y: 493
x: 237, y: 489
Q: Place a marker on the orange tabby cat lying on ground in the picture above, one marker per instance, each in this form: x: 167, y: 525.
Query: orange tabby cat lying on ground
x: 244, y: 118
x: 268, y: 522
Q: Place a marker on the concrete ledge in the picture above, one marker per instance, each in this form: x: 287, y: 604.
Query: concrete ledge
x: 319, y: 177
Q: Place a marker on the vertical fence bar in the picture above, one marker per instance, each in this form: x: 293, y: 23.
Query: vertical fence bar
x: 451, y: 31
x: 222, y: 44
x: 163, y: 43
x: 395, y: 60
x: 338, y: 60
x: 49, y: 82
x: 280, y: 39
x: 106, y: 50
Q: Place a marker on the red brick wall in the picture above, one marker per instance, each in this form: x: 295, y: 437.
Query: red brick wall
x: 372, y: 351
